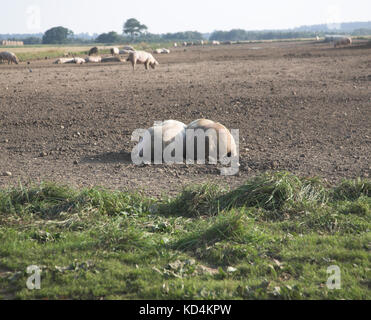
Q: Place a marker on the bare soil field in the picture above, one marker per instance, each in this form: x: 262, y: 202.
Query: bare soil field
x: 304, y: 107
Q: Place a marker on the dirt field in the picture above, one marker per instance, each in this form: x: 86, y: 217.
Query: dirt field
x: 303, y: 107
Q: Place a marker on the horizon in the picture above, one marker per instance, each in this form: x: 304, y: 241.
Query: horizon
x: 32, y: 17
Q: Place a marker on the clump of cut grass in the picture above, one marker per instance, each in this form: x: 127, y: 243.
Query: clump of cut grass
x: 228, y: 226
x: 313, y: 190
x: 360, y: 207
x: 271, y: 191
x: 119, y: 235
x: 195, y: 201
x: 35, y: 199
x: 352, y: 189
x: 116, y: 202
x: 325, y: 220
x: 49, y: 199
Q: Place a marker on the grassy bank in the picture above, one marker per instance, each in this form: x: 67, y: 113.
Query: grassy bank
x: 272, y: 238
x: 40, y: 52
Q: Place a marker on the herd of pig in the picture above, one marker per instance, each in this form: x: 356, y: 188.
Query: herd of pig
x: 142, y: 57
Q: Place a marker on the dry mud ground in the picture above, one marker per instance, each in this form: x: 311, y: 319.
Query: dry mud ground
x: 303, y: 107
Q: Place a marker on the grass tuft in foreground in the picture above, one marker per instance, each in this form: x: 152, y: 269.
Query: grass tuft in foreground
x: 272, y: 238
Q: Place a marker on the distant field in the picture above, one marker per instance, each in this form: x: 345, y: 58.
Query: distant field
x: 37, y: 52
x: 43, y: 48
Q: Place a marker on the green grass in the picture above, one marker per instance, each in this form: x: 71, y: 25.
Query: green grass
x: 50, y: 54
x: 53, y: 54
x: 40, y: 52
x: 272, y: 238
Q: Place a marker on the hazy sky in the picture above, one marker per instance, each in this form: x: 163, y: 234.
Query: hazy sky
x: 93, y: 16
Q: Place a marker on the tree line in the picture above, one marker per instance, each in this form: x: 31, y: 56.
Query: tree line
x: 135, y: 31
x: 243, y: 35
x: 114, y: 37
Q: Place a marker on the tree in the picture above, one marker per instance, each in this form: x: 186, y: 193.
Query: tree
x: 32, y: 40
x: 57, y: 35
x: 183, y: 36
x: 134, y: 28
x: 110, y: 37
